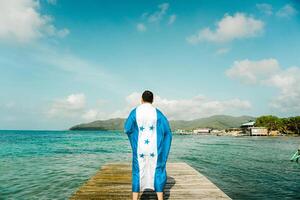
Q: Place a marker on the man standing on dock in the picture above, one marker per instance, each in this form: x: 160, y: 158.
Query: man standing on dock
x: 150, y: 138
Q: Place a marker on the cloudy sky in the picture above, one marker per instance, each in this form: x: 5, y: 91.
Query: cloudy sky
x: 63, y: 62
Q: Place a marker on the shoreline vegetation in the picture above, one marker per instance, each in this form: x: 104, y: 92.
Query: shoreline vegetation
x: 220, y: 125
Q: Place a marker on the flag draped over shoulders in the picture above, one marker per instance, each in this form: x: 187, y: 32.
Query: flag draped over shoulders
x: 150, y: 138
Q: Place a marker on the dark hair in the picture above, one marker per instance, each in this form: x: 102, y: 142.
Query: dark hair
x: 147, y: 96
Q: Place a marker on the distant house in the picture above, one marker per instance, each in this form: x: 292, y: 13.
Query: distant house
x: 179, y: 131
x: 246, y: 127
x: 258, y: 131
x: 202, y: 131
x: 248, y: 124
x: 251, y: 130
x: 215, y: 131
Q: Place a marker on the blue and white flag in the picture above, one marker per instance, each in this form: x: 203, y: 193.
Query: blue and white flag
x: 150, y: 137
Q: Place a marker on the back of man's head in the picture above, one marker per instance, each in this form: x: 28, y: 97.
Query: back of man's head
x: 147, y: 96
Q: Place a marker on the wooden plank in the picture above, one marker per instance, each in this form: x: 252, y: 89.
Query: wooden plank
x: 113, y: 182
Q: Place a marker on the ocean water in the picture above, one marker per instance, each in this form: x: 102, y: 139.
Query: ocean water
x: 53, y: 164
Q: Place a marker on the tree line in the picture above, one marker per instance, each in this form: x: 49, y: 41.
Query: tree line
x: 289, y: 125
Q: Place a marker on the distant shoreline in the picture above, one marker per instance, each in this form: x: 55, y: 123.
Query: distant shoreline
x: 174, y: 132
x: 218, y: 122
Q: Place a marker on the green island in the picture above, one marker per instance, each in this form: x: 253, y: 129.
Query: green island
x: 217, y: 124
x: 214, y: 122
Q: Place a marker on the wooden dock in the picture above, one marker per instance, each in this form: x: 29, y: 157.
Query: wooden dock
x: 113, y: 182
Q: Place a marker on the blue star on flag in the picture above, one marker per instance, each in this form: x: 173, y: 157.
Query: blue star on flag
x: 142, y: 155
x: 151, y: 128
x: 142, y: 128
x: 147, y: 141
x: 152, y: 154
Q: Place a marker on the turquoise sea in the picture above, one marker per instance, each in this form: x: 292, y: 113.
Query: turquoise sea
x: 53, y: 164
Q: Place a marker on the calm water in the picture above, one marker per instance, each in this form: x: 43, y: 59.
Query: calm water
x: 53, y: 164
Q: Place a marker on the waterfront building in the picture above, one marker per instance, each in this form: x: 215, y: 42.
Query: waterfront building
x: 258, y: 131
x: 202, y: 131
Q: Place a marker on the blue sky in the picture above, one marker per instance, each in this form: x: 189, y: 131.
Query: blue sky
x: 63, y: 62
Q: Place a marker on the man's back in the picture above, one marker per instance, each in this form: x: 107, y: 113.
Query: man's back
x: 150, y: 138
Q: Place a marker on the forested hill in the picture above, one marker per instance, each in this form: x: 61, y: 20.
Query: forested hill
x: 216, y: 122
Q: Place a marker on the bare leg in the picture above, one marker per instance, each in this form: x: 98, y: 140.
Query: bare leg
x: 160, y: 195
x: 135, y: 196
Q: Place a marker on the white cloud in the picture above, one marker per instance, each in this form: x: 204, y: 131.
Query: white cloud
x: 268, y: 72
x: 222, y: 51
x: 229, y: 28
x: 148, y: 19
x: 159, y: 14
x: 92, y: 115
x: 265, y: 8
x: 71, y: 106
x: 288, y: 83
x: 21, y: 20
x: 172, y: 19
x: 286, y: 11
x: 187, y: 109
x: 251, y: 72
x: 74, y: 107
x: 50, y: 30
x: 199, y: 106
x: 141, y: 27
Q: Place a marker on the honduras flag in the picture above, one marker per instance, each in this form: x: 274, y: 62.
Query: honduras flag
x: 150, y: 138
